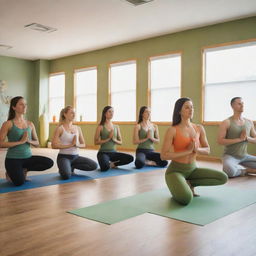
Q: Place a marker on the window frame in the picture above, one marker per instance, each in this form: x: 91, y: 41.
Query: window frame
x: 74, y: 93
x: 136, y: 87
x: 203, y: 61
x: 55, y: 74
x: 163, y: 55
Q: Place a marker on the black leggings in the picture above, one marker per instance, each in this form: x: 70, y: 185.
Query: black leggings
x: 104, y: 159
x: 15, y: 167
x: 149, y: 154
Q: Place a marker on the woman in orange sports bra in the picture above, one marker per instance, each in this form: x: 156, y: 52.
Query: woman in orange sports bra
x: 183, y: 141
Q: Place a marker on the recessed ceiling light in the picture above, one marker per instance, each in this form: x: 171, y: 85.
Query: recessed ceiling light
x: 138, y: 2
x: 40, y: 27
x: 5, y: 47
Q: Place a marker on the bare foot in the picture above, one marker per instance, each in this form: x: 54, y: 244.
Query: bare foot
x: 151, y: 163
x: 192, y: 189
x: 25, y: 174
x: 7, y: 177
x: 250, y: 171
x: 112, y: 165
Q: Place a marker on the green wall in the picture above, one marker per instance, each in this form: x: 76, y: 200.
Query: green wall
x: 19, y: 75
x: 30, y: 78
x: 189, y: 42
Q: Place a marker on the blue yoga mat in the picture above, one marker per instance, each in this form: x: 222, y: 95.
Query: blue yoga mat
x: 54, y: 178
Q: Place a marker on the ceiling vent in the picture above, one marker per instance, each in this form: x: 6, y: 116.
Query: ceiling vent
x: 5, y: 47
x: 138, y: 2
x: 40, y: 28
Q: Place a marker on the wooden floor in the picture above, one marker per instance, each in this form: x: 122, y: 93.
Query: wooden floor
x: 35, y: 222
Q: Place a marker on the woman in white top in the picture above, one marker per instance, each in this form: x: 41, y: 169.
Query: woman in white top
x: 69, y: 138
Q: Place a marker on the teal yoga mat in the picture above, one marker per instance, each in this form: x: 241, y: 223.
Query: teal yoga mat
x: 213, y: 203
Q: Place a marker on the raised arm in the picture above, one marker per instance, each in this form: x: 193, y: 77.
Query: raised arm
x: 56, y: 144
x: 3, y: 134
x: 80, y: 138
x: 252, y: 137
x: 136, y: 139
x: 97, y: 139
x: 203, y: 148
x: 156, y: 138
x: 118, y: 139
x: 223, y: 132
x: 34, y: 139
x: 167, y: 152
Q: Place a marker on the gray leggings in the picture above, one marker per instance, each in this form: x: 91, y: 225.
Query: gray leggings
x: 67, y: 163
x: 234, y: 166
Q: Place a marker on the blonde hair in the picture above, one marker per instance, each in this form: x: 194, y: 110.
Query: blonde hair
x: 64, y: 111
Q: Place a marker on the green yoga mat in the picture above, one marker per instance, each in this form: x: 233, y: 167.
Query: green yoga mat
x: 213, y: 203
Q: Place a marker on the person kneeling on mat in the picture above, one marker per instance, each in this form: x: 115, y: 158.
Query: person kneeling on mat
x: 183, y: 141
x: 107, y: 135
x: 21, y: 133
x: 69, y: 138
x: 145, y: 135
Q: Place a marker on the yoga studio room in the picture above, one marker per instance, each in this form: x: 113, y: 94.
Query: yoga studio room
x: 127, y: 128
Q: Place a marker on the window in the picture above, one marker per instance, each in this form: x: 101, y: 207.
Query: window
x: 230, y: 71
x: 56, y: 95
x: 123, y: 90
x: 86, y: 94
x: 165, y: 84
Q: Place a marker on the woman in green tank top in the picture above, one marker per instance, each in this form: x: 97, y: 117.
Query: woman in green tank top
x: 21, y: 134
x: 108, y: 135
x: 145, y: 135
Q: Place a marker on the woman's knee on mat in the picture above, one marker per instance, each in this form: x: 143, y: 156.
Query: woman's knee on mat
x: 178, y: 187
x: 232, y: 171
x: 222, y: 177
x: 65, y: 174
x: 139, y: 163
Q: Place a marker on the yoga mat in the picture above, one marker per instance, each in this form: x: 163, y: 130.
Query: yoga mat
x: 214, y: 203
x: 54, y: 178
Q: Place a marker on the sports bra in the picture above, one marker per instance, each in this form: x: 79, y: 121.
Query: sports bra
x: 180, y: 142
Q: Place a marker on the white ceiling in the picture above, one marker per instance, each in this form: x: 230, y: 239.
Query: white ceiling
x: 86, y: 25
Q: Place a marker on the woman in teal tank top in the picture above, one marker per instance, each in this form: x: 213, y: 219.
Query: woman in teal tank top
x: 145, y: 135
x: 21, y: 134
x: 108, y: 135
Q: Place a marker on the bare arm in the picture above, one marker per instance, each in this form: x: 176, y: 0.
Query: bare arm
x: 167, y: 152
x: 3, y: 134
x: 156, y: 138
x: 118, y: 139
x: 80, y: 138
x: 34, y: 139
x: 56, y: 144
x: 223, y: 132
x: 252, y: 137
x: 136, y: 139
x: 204, y: 147
x: 97, y: 139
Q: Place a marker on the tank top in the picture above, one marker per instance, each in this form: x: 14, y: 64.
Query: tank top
x: 20, y: 151
x: 180, y: 142
x: 109, y: 146
x: 148, y: 144
x: 234, y: 131
x: 66, y: 138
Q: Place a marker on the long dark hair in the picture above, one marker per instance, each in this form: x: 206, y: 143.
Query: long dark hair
x: 13, y: 103
x: 103, y: 115
x: 142, y: 109
x: 176, y: 117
